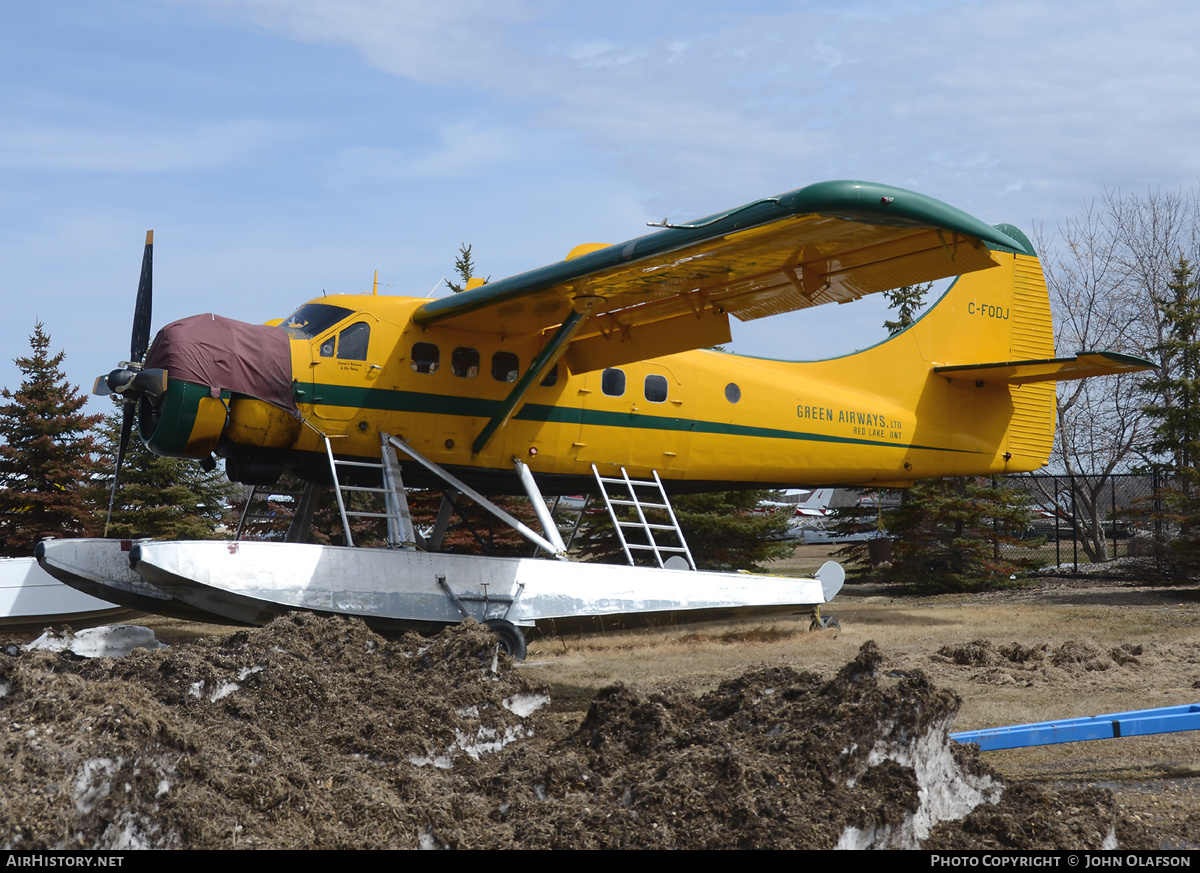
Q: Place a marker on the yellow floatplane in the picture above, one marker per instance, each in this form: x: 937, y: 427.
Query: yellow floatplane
x: 598, y: 367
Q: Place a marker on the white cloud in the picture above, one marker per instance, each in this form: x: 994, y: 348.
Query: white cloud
x: 46, y: 146
x: 435, y: 43
x: 465, y: 148
x: 796, y: 91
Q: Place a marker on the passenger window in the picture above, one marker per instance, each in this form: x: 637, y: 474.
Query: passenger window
x: 612, y: 382
x: 656, y: 388
x: 505, y: 367
x: 551, y: 377
x: 425, y: 357
x: 464, y: 362
x: 733, y: 393
x: 353, y: 342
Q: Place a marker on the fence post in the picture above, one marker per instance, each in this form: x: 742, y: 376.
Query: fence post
x: 1112, y: 493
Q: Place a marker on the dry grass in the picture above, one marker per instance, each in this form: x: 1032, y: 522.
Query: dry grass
x: 1157, y: 776
x: 911, y: 631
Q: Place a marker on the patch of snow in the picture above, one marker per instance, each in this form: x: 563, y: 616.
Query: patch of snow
x: 441, y: 762
x: 109, y: 641
x: 1087, y: 569
x: 91, y: 784
x: 525, y: 705
x: 856, y: 839
x: 487, y: 740
x: 135, y: 831
x: 223, y: 689
x: 944, y: 792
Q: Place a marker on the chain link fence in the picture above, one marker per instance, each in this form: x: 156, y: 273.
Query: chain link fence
x: 1092, y: 524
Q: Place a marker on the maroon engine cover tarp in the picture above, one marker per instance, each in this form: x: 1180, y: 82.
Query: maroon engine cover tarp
x: 227, y: 355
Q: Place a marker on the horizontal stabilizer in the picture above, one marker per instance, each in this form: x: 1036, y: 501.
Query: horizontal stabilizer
x: 1081, y: 366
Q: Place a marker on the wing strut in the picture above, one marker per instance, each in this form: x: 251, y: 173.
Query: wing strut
x: 545, y: 359
x: 523, y: 529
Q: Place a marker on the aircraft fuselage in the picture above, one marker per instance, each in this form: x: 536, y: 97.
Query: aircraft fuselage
x: 702, y: 419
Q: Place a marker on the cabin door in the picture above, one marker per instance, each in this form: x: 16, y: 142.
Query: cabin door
x: 344, y: 372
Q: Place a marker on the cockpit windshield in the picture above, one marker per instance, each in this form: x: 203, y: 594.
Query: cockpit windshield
x: 312, y: 318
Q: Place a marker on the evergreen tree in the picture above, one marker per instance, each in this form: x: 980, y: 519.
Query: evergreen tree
x: 162, y: 498
x: 722, y: 529
x: 725, y: 532
x: 46, y: 461
x: 949, y: 533
x: 908, y: 301
x: 1175, y: 408
x: 1175, y: 412
x: 464, y: 267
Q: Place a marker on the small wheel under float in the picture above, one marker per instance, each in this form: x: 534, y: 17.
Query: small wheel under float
x: 512, y: 640
x: 827, y: 622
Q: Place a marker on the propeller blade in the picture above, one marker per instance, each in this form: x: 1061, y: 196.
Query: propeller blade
x: 128, y: 411
x: 140, y: 339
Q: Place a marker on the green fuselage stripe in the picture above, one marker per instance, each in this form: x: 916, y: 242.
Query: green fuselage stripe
x: 388, y: 400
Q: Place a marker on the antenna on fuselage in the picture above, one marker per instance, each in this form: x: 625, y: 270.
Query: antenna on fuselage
x: 375, y: 290
x: 435, y: 286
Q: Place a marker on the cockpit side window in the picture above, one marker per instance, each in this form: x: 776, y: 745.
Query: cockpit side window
x: 312, y: 318
x: 425, y: 357
x: 353, y: 342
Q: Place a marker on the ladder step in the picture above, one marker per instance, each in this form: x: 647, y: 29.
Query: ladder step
x: 636, y: 483
x: 374, y: 464
x: 640, y: 503
x: 641, y: 526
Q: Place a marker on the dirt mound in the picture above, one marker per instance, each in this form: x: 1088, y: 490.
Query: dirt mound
x: 1017, y: 663
x: 1031, y: 816
x: 983, y: 653
x: 316, y: 732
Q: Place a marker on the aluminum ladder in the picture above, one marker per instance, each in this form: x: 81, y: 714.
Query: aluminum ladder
x: 655, y: 499
x: 400, y: 532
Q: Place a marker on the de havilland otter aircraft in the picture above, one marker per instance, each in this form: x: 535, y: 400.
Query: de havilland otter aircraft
x: 593, y: 368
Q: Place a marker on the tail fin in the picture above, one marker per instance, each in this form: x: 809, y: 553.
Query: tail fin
x: 818, y: 501
x: 992, y: 332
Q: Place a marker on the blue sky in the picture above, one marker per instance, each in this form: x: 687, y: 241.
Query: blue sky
x: 281, y: 148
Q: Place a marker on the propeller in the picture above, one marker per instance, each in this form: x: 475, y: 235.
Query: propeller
x: 129, y: 380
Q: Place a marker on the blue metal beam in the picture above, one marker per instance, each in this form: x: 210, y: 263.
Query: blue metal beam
x: 1136, y: 723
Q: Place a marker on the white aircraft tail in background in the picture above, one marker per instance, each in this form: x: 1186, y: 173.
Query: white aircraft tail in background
x: 816, y: 505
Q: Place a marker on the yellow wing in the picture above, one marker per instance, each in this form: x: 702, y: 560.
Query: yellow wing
x: 675, y: 290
